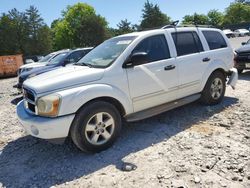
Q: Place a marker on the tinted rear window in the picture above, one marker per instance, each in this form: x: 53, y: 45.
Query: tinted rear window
x: 187, y: 43
x: 214, y: 39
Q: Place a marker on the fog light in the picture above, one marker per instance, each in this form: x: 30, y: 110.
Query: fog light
x: 34, y: 130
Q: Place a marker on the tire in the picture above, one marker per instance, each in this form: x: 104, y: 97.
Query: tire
x: 90, y: 133
x: 214, y: 90
x: 240, y: 71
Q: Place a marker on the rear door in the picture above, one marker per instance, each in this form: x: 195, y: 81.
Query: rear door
x: 192, y: 61
x: 156, y: 81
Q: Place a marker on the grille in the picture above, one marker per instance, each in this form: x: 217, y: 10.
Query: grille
x: 29, y: 98
x: 32, y: 107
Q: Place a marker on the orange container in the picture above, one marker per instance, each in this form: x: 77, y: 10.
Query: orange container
x: 10, y: 64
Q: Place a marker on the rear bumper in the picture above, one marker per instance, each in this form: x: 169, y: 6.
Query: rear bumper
x: 43, y: 127
x: 233, y: 77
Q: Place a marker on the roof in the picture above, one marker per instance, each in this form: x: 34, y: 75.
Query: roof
x: 171, y: 29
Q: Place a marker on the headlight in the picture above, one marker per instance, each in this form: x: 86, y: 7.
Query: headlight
x: 48, y: 105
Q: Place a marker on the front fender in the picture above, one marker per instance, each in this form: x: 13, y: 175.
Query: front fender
x: 75, y: 98
x: 210, y: 69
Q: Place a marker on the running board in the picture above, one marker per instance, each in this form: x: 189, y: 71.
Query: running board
x: 161, y: 108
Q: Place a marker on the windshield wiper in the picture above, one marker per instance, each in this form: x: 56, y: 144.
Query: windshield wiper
x: 84, y: 64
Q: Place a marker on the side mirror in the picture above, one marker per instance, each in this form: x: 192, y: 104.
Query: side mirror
x: 243, y: 43
x: 136, y: 59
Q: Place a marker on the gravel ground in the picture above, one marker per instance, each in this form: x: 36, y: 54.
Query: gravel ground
x: 192, y: 146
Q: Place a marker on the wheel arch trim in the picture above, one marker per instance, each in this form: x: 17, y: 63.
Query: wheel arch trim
x: 74, y: 99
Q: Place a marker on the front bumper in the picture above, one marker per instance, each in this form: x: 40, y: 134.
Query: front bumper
x: 18, y: 87
x: 43, y: 127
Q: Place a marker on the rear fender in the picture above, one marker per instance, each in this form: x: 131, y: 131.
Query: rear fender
x: 215, y: 65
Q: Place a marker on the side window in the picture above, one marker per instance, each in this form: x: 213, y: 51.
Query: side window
x: 214, y: 39
x: 187, y: 43
x: 156, y: 47
x: 198, y: 42
x: 75, y: 56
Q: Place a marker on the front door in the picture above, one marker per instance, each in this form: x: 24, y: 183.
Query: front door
x: 156, y: 81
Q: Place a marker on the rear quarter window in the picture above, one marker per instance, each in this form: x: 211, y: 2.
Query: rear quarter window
x: 214, y: 39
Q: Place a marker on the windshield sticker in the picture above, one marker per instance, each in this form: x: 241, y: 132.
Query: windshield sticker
x: 124, y: 42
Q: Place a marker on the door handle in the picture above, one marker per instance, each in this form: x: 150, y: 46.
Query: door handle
x: 169, y: 67
x: 206, y: 59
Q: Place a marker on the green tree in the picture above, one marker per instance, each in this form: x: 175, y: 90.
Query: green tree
x: 13, y: 32
x: 112, y: 32
x: 53, y: 24
x: 215, y: 18
x: 8, y: 39
x: 44, y: 38
x: 247, y: 2
x: 39, y: 37
x: 152, y: 17
x: 124, y: 27
x: 79, y: 27
x: 196, y: 19
x: 24, y: 32
x: 237, y: 13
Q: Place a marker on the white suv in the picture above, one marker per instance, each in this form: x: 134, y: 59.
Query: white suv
x: 130, y: 77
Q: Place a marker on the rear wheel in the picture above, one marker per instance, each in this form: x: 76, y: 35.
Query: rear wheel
x: 214, y: 89
x: 96, y: 127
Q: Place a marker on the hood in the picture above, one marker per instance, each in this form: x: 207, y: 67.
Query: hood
x: 63, y: 77
x: 32, y: 65
x: 242, y: 49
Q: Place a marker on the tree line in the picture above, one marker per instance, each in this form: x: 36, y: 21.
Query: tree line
x: 80, y: 26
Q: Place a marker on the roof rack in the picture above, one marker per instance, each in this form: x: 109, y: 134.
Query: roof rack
x: 196, y: 25
x: 172, y: 25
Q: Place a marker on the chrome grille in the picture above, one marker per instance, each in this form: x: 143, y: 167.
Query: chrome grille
x: 29, y: 100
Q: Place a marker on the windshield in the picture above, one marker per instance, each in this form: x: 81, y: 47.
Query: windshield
x: 58, y: 58
x: 106, y: 53
x: 46, y: 58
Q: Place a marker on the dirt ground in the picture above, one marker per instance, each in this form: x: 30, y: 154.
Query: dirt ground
x: 192, y: 146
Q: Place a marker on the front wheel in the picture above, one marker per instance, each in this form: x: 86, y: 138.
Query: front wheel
x: 214, y: 89
x: 96, y: 126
